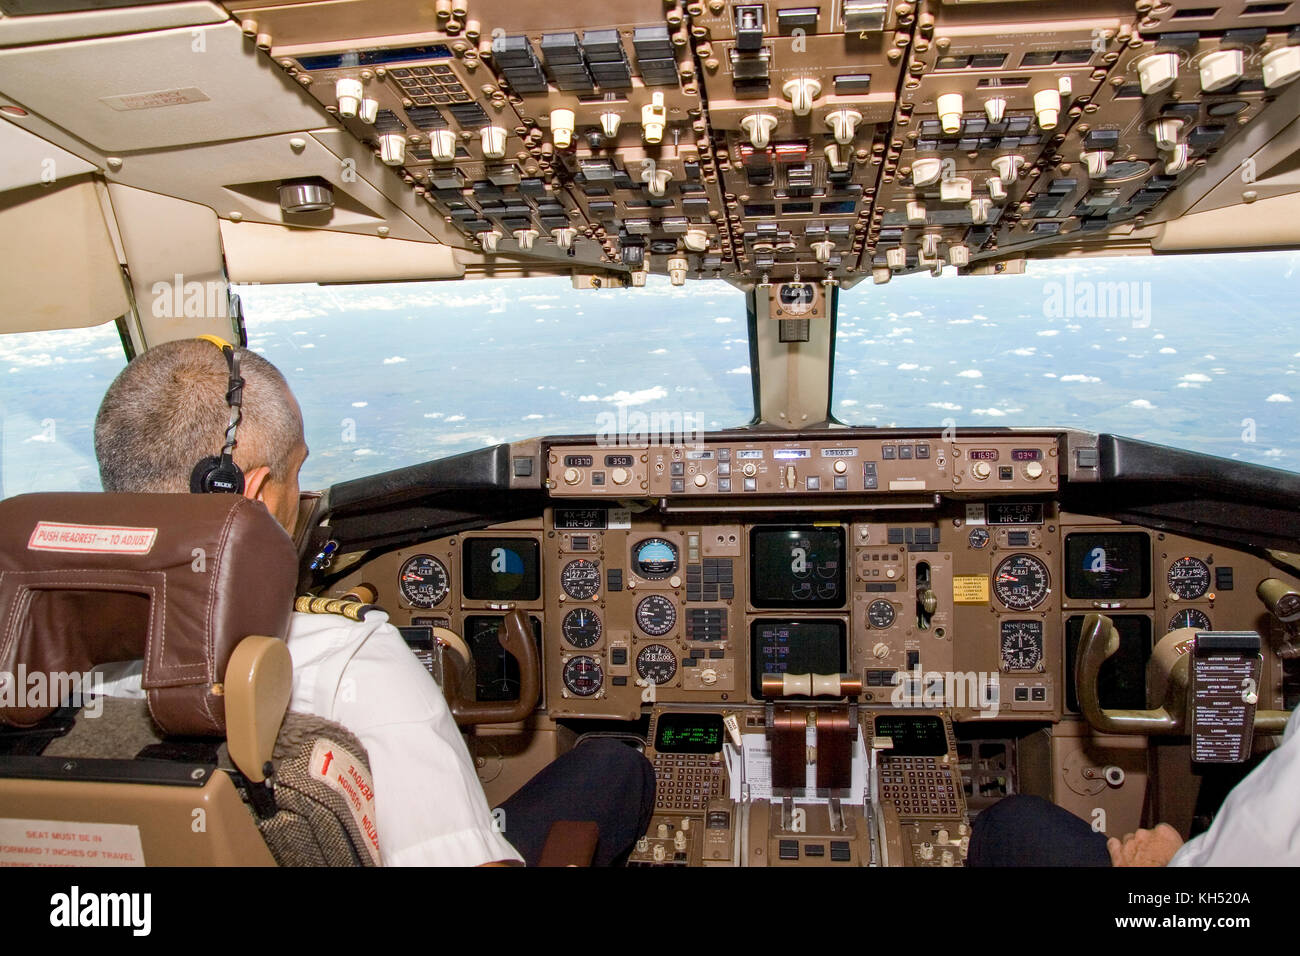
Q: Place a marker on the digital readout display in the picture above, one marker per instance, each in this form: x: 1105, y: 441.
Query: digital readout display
x: 982, y: 454
x: 619, y: 461
x: 688, y: 733
x: 1026, y: 454
x: 577, y: 461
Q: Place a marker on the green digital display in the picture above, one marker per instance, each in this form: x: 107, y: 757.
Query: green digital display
x: 688, y: 734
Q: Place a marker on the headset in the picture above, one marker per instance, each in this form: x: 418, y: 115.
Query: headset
x: 219, y: 474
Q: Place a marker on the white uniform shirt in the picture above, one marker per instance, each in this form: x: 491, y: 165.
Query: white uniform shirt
x: 1259, y: 823
x: 430, y: 806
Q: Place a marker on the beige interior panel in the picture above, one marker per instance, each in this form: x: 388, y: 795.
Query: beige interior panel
x: 154, y: 90
x: 257, y: 252
x: 60, y: 268
x: 16, y: 31
x: 26, y: 160
x: 1268, y: 222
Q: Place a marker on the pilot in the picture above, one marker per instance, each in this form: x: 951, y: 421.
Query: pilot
x: 168, y: 410
x: 1258, y: 825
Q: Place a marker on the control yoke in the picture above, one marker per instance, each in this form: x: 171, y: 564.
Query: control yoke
x: 515, y: 635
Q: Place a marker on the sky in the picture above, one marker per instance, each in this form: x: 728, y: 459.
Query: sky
x: 1200, y: 352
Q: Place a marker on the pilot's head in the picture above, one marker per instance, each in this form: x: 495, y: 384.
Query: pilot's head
x: 167, y: 410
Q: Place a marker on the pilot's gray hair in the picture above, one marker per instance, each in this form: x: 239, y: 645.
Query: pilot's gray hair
x: 167, y: 410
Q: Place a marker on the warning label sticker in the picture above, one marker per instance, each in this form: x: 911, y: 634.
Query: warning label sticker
x: 91, y: 538
x: 60, y: 843
x: 970, y: 589
x: 342, y: 772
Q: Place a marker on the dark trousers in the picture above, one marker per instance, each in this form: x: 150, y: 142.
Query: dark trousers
x: 1031, y: 831
x: 602, y: 780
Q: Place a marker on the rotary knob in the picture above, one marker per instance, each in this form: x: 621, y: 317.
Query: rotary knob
x: 759, y: 126
x: 801, y: 92
x: 708, y: 676
x: 1034, y: 470
x: 348, y: 92
x: 981, y: 470
x: 620, y: 476
x: 572, y: 476
x: 840, y: 466
x: 493, y: 140
x: 1157, y: 72
x: 442, y: 145
x: 750, y: 469
x: 880, y: 651
x: 392, y: 149
x: 701, y: 481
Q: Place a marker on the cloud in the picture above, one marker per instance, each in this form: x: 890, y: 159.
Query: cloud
x: 848, y: 402
x: 360, y: 404
x: 395, y: 360
x: 1080, y: 378
x: 1049, y: 332
x: 739, y: 370
x: 946, y: 406
x: 659, y: 352
x: 991, y: 412
x: 723, y: 319
x: 1195, y: 377
x: 1140, y: 403
x: 533, y: 418
x: 455, y: 418
x: 624, y: 397
x: 1168, y: 351
x: 1024, y: 351
x: 971, y: 373
x: 1278, y: 397
x: 433, y: 414
x: 908, y: 367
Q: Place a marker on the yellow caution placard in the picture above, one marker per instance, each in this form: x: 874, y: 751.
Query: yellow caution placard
x: 970, y: 589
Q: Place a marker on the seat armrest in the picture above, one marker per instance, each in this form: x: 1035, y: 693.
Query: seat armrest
x: 258, y: 685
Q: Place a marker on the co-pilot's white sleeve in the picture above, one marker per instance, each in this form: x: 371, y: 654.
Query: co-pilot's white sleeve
x: 430, y: 807
x: 1259, y: 822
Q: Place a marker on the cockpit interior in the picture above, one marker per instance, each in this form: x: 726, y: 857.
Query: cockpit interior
x: 836, y: 643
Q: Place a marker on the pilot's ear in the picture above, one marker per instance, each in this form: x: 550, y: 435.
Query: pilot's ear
x: 255, y: 483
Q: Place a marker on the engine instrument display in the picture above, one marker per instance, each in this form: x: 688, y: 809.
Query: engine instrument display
x: 581, y: 627
x: 583, y: 675
x: 796, y: 646
x: 1108, y: 566
x: 1021, y: 645
x: 656, y: 615
x: 580, y: 579
x: 797, y: 567
x: 1022, y: 582
x: 654, y: 558
x: 423, y: 581
x: 1189, y: 578
x: 656, y: 663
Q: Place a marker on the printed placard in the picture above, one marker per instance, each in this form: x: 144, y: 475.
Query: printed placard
x: 346, y: 775
x: 970, y: 589
x: 91, y: 538
x: 64, y: 843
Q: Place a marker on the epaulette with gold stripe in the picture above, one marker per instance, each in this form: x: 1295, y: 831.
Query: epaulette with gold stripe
x: 352, y: 610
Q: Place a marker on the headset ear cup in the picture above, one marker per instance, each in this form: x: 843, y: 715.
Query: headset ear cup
x: 217, y: 475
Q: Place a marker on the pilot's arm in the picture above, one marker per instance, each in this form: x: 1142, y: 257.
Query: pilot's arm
x: 430, y: 806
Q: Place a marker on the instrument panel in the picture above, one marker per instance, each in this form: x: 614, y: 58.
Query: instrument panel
x: 958, y: 598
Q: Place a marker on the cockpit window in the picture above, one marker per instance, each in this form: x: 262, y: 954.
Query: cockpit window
x: 51, y: 384
x: 391, y: 375
x: 1196, y: 352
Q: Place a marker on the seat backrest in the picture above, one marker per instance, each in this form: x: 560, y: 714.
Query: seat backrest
x: 200, y: 588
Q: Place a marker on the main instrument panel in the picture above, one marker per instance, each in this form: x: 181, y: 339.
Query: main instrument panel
x: 784, y: 141
x: 933, y: 571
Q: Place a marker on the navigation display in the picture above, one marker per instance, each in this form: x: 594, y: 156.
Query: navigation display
x: 796, y: 646
x: 796, y: 567
x: 1107, y: 565
x: 502, y: 569
x: 688, y: 733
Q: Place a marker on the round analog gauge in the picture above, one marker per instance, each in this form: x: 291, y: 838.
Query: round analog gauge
x: 1189, y: 578
x: 656, y: 615
x: 583, y: 675
x: 1022, y: 645
x: 1022, y: 582
x: 979, y: 537
x: 654, y: 558
x: 423, y: 581
x: 880, y: 613
x: 796, y: 298
x: 580, y: 579
x: 1190, y: 618
x: 656, y: 663
x: 581, y: 627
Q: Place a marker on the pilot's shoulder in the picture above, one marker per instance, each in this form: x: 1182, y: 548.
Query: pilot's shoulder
x: 351, y: 610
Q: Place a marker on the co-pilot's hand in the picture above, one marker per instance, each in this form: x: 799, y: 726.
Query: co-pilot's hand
x: 1146, y: 847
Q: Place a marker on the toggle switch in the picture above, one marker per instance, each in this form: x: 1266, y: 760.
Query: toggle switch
x: 562, y: 121
x: 609, y: 124
x: 1165, y: 131
x: 489, y: 239
x: 759, y: 127
x: 959, y: 255
x: 695, y: 240
x: 677, y: 270
x: 659, y: 180
x: 995, y: 108
x: 1281, y: 66
x: 929, y: 246
x: 916, y: 213
x: 957, y: 189
x: 997, y: 192
x: 369, y: 111
x: 836, y: 157
x: 1047, y: 108
x: 1157, y: 72
x: 801, y: 92
x: 926, y: 171
x: 950, y: 108
x: 1096, y: 160
x: 525, y: 238
x: 442, y: 145
x: 979, y: 210
x: 1222, y: 68
x: 1008, y: 167
x: 392, y: 149
x: 844, y: 124
x: 822, y: 250
x: 348, y: 92
x: 1176, y: 159
x: 564, y: 236
x: 493, y: 139
x: 654, y: 117
x: 896, y: 257
x: 880, y: 275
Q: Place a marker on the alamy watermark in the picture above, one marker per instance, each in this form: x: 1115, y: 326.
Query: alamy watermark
x: 635, y: 428
x: 41, y: 689
x: 1085, y: 299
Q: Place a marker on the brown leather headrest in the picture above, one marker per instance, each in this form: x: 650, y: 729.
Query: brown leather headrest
x: 175, y: 579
